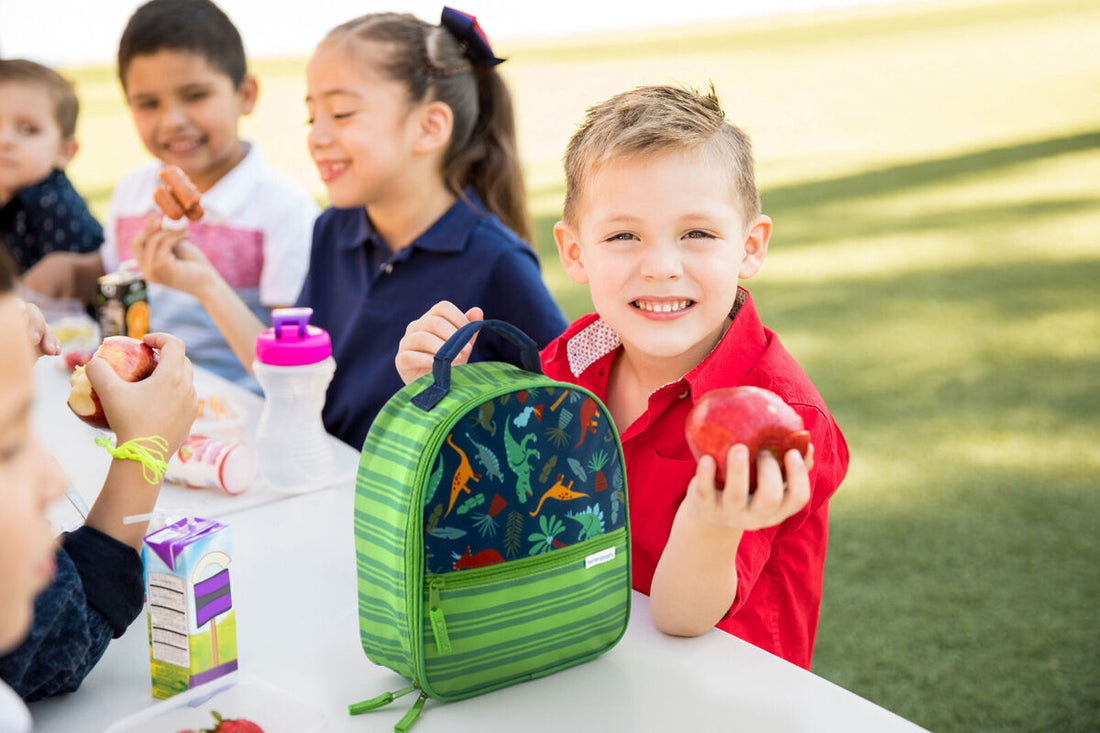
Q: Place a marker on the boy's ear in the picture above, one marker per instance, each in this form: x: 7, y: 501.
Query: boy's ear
x: 66, y: 152
x: 569, y: 252
x: 434, y: 124
x: 248, y: 93
x: 756, y: 246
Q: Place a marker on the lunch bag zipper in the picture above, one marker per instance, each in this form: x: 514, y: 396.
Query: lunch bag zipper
x: 494, y: 574
x: 386, y: 698
x: 414, y: 567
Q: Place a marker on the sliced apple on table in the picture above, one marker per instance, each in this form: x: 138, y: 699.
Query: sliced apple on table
x: 132, y: 360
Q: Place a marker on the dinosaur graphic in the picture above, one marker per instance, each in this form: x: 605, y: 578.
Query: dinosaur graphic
x: 559, y: 491
x: 591, y: 521
x: 463, y: 475
x: 485, y: 416
x: 519, y: 460
x: 487, y: 459
x: 590, y: 419
x: 478, y: 560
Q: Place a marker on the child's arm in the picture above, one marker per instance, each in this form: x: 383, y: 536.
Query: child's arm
x: 424, y: 336
x: 66, y: 275
x: 166, y: 257
x: 97, y: 592
x: 695, y: 582
x: 162, y: 405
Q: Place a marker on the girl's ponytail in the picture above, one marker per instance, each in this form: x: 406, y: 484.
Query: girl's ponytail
x: 488, y: 161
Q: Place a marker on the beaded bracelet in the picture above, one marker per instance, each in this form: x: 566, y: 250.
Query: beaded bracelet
x: 149, y: 452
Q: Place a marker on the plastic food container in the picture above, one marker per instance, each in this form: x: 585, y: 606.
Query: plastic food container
x: 235, y: 695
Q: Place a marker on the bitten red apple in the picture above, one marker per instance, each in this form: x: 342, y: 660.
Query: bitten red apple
x: 755, y: 417
x: 131, y: 359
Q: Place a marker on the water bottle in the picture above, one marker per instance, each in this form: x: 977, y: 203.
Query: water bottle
x: 294, y: 366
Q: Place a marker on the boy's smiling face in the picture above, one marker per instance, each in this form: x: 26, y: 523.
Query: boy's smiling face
x: 662, y: 243
x: 187, y: 112
x: 31, y: 143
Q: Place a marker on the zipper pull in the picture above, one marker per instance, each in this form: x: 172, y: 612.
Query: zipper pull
x: 435, y: 614
x: 376, y: 702
x: 410, y: 717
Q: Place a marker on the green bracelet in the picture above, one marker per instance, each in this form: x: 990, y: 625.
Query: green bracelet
x: 149, y: 452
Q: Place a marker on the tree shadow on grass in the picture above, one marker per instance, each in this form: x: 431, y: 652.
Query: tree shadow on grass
x: 970, y: 361
x: 896, y: 179
x: 823, y: 224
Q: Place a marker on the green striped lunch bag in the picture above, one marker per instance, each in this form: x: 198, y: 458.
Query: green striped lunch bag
x: 491, y: 532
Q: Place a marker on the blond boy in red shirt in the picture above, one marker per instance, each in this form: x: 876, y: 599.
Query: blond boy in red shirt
x: 662, y: 220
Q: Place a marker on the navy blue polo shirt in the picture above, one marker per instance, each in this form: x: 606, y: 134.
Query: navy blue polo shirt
x: 365, y: 296
x: 48, y: 217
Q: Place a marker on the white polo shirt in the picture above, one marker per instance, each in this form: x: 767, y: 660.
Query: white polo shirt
x: 256, y: 231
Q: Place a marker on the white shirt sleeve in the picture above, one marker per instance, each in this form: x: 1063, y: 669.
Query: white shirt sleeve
x: 288, y: 235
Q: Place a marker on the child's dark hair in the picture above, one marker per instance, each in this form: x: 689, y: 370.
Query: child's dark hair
x: 66, y: 105
x: 433, y: 64
x: 192, y: 26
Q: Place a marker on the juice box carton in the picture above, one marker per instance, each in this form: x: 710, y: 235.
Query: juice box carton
x: 192, y: 624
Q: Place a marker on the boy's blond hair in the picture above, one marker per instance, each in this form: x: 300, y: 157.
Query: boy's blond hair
x: 659, y: 119
x: 66, y: 105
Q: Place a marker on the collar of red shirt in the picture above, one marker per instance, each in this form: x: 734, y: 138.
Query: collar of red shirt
x: 590, y: 344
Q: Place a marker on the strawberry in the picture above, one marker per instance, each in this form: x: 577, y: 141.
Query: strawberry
x: 230, y: 725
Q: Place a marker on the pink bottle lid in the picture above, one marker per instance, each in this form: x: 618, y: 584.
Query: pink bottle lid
x: 291, y: 341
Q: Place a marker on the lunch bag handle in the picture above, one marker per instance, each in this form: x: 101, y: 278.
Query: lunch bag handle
x: 441, y: 366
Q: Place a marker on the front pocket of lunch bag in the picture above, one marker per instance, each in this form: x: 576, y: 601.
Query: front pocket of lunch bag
x: 489, y: 627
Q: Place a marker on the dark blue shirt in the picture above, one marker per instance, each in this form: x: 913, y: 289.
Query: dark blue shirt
x: 48, y: 217
x: 365, y: 295
x: 98, y: 591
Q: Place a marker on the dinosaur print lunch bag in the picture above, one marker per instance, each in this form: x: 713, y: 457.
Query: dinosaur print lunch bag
x: 491, y: 530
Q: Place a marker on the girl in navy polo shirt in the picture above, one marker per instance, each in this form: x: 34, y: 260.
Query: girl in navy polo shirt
x: 412, y: 131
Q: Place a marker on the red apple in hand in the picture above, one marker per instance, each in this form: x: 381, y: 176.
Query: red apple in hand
x: 752, y: 416
x: 131, y: 359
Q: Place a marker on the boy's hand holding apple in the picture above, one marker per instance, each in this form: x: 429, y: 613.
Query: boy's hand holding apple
x: 739, y: 436
x: 137, y: 389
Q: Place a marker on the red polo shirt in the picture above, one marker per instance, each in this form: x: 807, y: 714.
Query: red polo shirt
x: 779, y: 569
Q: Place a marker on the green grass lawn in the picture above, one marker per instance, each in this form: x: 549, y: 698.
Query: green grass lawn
x: 933, y: 175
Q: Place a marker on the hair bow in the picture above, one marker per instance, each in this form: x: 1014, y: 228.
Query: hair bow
x: 464, y: 27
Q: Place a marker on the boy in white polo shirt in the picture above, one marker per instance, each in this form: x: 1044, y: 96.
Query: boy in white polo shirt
x: 182, y: 68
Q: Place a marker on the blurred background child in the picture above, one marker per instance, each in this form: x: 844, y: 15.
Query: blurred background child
x: 40, y: 211
x: 91, y: 584
x: 413, y: 133
x: 183, y: 70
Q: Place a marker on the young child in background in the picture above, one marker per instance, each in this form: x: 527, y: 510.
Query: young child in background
x: 412, y: 132
x: 40, y: 211
x: 183, y: 69
x: 92, y: 585
x: 662, y: 219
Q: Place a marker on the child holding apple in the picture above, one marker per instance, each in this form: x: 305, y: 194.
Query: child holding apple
x: 662, y: 220
x: 91, y: 584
